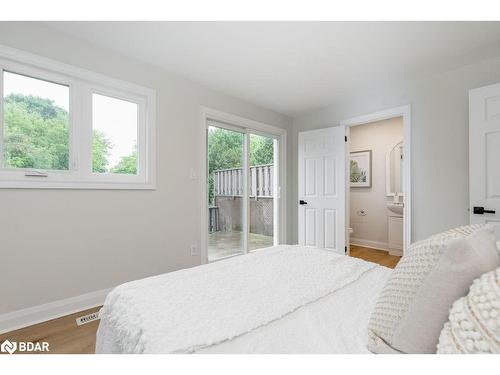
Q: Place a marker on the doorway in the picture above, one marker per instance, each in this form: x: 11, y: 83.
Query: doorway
x: 378, y: 188
x: 243, y: 187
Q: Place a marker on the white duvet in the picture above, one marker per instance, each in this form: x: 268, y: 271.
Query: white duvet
x: 285, y: 299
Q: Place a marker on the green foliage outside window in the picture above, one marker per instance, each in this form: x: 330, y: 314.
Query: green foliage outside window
x: 36, y: 135
x: 127, y: 164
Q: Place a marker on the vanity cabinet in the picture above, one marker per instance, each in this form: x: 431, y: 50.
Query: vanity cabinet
x: 395, y: 229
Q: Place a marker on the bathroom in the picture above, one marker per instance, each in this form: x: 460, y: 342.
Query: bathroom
x: 376, y: 190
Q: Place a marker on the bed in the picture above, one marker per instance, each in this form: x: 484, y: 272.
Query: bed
x: 283, y: 299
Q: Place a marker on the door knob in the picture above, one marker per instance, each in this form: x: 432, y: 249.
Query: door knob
x: 482, y: 211
x: 302, y: 202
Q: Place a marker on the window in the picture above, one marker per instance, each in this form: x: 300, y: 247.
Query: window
x: 114, y: 135
x: 63, y: 127
x: 36, y: 123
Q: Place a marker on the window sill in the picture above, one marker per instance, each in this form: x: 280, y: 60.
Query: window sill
x: 76, y: 185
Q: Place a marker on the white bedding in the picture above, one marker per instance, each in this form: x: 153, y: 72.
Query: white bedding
x: 285, y: 299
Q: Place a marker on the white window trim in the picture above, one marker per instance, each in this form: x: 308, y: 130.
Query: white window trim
x: 83, y: 84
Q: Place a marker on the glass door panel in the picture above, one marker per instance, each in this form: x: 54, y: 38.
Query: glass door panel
x: 226, y: 224
x: 261, y: 192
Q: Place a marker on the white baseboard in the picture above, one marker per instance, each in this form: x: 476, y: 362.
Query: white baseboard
x: 398, y: 253
x: 42, y: 313
x: 370, y: 244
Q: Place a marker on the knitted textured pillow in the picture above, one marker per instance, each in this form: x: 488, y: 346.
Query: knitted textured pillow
x: 474, y: 321
x: 413, y: 306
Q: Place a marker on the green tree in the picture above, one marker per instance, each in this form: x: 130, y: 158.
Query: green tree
x: 261, y: 150
x: 36, y: 135
x: 100, y: 152
x: 225, y: 151
x: 127, y: 164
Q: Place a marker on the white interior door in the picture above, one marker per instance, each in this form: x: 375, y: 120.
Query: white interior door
x: 322, y: 185
x: 484, y: 155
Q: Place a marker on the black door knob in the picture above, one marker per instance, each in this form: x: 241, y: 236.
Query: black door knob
x: 482, y: 211
x: 302, y: 202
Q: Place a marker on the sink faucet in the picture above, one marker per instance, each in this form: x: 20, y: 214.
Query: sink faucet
x: 396, y: 198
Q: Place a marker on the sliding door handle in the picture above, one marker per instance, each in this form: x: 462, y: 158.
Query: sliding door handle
x: 482, y: 211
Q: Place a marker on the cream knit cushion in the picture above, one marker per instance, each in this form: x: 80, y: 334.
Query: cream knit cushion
x: 413, y: 306
x: 474, y: 321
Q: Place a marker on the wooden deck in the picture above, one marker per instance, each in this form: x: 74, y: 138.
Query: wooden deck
x: 224, y: 244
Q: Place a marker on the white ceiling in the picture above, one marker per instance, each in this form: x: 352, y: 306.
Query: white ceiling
x: 294, y: 67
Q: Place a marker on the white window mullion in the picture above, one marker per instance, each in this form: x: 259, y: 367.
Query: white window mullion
x: 84, y: 131
x: 74, y: 136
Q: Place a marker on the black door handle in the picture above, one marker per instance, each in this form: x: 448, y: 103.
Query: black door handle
x: 302, y: 202
x: 482, y: 211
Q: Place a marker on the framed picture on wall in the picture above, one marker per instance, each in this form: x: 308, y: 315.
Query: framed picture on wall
x: 361, y: 168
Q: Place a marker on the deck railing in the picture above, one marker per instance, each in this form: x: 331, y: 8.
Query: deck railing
x: 229, y: 182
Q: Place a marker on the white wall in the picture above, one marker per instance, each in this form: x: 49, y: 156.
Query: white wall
x: 379, y: 137
x: 57, y: 244
x: 439, y: 119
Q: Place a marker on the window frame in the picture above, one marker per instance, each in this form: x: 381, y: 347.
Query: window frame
x: 82, y: 84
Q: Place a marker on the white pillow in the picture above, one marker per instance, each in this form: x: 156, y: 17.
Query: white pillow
x: 413, y: 306
x: 474, y: 321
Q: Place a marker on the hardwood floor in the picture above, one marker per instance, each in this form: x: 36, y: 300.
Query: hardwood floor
x: 376, y: 256
x: 62, y: 334
x: 65, y: 337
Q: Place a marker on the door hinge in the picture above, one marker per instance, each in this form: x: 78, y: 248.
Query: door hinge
x: 345, y: 249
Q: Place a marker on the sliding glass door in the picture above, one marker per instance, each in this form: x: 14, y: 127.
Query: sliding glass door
x: 242, y: 186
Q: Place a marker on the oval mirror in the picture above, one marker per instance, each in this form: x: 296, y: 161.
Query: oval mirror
x: 394, y: 170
